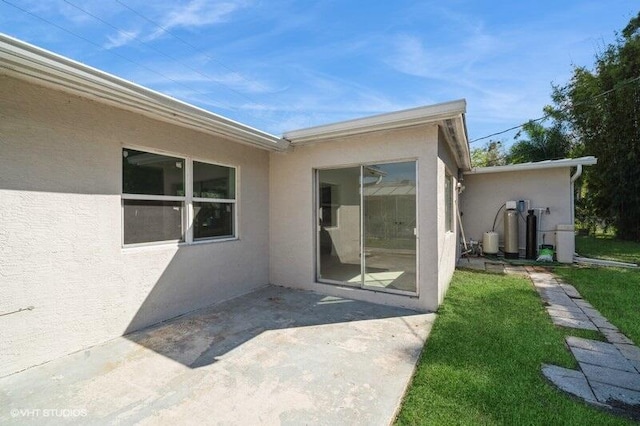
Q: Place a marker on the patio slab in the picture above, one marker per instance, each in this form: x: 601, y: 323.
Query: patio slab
x: 274, y: 356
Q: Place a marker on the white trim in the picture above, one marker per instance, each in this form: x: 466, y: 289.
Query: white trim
x: 540, y: 165
x: 362, y: 286
x: 449, y: 116
x: 126, y: 196
x: 187, y: 200
x: 28, y: 62
x: 213, y: 200
x: 393, y: 120
x: 188, y: 215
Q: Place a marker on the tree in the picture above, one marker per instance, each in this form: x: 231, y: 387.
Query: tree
x: 602, y: 109
x: 491, y: 154
x: 541, y: 143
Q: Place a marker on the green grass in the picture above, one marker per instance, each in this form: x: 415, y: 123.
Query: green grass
x: 615, y: 292
x: 602, y: 246
x: 482, y: 361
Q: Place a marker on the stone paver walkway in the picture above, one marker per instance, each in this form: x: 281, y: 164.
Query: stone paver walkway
x: 609, y: 374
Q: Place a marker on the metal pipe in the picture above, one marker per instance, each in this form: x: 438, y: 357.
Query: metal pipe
x: 574, y: 178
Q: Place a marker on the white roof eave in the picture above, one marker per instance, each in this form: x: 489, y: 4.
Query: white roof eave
x: 539, y: 165
x: 25, y: 61
x: 448, y: 115
x: 405, y: 118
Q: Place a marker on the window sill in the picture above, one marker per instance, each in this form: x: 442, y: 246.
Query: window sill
x: 174, y: 244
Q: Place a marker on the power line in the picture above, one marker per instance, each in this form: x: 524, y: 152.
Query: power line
x: 108, y: 50
x: 172, y: 58
x: 138, y: 64
x: 185, y: 42
x: 544, y: 117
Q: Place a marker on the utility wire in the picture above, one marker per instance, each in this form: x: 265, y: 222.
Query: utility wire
x: 166, y: 55
x: 125, y: 58
x: 185, y: 42
x: 108, y: 50
x: 544, y: 117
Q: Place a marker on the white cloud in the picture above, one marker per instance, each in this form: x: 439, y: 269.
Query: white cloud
x: 197, y: 13
x: 121, y: 38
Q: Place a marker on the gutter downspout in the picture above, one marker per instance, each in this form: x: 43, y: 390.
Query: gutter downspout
x: 574, y: 178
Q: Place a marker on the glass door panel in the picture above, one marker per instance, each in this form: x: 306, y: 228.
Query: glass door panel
x: 339, y: 226
x: 389, y: 225
x: 366, y: 226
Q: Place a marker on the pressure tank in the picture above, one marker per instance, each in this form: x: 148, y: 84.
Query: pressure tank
x: 490, y: 242
x: 532, y: 236
x: 511, y: 234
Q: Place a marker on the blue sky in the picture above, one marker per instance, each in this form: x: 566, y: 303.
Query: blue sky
x: 284, y: 65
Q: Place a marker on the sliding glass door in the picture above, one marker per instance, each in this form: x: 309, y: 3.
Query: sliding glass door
x: 367, y: 226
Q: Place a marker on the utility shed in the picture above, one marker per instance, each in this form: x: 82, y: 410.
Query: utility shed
x: 547, y: 187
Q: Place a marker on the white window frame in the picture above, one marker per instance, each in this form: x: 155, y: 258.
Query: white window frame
x: 192, y: 199
x: 188, y: 199
x: 449, y: 207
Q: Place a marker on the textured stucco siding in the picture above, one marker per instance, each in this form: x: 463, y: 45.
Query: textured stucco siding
x: 292, y: 224
x: 485, y: 193
x: 447, y: 240
x: 60, y: 227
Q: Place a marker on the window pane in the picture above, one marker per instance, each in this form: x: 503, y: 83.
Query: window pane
x: 151, y: 174
x: 213, y: 181
x: 150, y: 220
x: 448, y: 200
x: 212, y: 220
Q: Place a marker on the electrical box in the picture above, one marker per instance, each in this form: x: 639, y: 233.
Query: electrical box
x: 521, y: 205
x: 524, y: 206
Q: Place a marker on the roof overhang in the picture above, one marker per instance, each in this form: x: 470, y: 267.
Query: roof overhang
x: 539, y: 165
x: 25, y: 61
x: 449, y: 116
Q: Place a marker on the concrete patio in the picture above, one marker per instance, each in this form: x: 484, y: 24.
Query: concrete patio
x: 274, y: 356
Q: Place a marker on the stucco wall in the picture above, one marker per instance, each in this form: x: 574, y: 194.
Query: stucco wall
x: 485, y: 193
x: 447, y: 240
x: 292, y: 218
x: 60, y: 227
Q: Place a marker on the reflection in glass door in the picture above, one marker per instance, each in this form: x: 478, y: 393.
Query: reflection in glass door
x: 367, y: 224
x: 339, y: 225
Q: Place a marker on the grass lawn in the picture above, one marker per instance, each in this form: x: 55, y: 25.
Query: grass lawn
x: 615, y: 292
x: 482, y: 361
x: 603, y: 246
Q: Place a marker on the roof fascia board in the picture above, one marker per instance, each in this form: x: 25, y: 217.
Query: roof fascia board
x: 25, y: 61
x: 393, y: 120
x: 540, y: 165
x: 455, y: 133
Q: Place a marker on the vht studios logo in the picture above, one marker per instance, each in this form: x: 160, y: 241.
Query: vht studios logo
x: 48, y: 412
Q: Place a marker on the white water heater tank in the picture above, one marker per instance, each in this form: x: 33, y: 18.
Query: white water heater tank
x: 490, y: 242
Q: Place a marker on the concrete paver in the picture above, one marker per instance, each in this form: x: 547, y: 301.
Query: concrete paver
x: 611, y: 376
x: 603, y: 359
x: 573, y: 323
x: 274, y: 356
x: 615, y: 336
x: 609, y: 373
x: 608, y: 394
x: 570, y: 290
x: 570, y: 381
x: 570, y: 308
x: 592, y: 345
x: 575, y: 315
x: 630, y: 352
